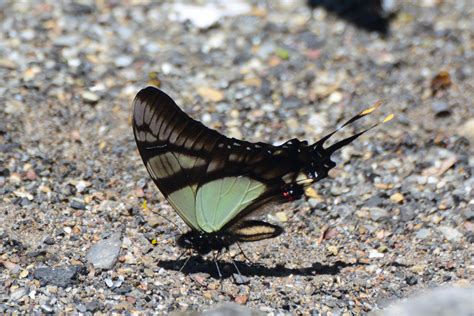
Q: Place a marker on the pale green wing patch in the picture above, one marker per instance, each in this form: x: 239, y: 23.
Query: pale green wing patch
x: 219, y: 201
x: 183, y: 200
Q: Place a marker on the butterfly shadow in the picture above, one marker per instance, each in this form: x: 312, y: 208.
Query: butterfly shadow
x: 197, y: 264
x: 368, y: 15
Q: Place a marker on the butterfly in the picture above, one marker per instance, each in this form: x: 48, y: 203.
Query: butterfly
x: 214, y: 182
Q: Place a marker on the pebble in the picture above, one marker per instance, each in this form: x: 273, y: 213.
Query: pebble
x: 77, y: 204
x: 375, y: 254
x: 31, y: 175
x: 423, y: 233
x: 155, y: 221
x: 377, y: 214
x: 240, y: 279
x: 441, y: 108
x: 397, y: 198
x: 104, y: 253
x: 411, y: 280
x: 467, y: 130
x: 109, y: 282
x: 450, y: 233
x: 333, y: 250
x: 123, y: 61
x: 61, y: 277
x: 81, y: 308
x: 407, y: 213
x: 335, y: 97
x: 281, y: 217
x: 92, y: 306
x: 438, y: 301
x: 82, y: 185
x: 90, y: 97
x: 18, y: 293
x: 7, y: 64
x: 210, y: 94
x: 205, y: 16
x: 12, y: 267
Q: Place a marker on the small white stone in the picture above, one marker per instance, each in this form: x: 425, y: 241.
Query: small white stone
x: 166, y: 68
x: 375, y: 254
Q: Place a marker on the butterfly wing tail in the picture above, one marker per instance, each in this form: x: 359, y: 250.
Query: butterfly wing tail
x: 322, y: 155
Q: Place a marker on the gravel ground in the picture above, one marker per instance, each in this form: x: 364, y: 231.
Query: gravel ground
x: 395, y: 218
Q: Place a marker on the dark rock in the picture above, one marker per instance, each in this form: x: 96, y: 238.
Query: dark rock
x: 62, y: 277
x: 76, y: 8
x: 124, y: 289
x: 49, y: 241
x: 411, y: 280
x: 441, y: 108
x: 77, y: 204
x: 37, y: 253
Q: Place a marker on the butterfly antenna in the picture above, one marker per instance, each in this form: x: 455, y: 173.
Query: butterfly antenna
x: 154, y: 241
x: 144, y: 206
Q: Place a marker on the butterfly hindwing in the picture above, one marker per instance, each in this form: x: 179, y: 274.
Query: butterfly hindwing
x: 219, y: 201
x: 252, y: 230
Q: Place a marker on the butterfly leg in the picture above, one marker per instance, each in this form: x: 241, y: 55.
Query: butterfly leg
x: 185, y: 262
x: 236, y: 268
x: 216, y: 255
x: 243, y: 254
x: 239, y: 278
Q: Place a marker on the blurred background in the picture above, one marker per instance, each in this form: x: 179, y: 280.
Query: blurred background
x: 394, y: 219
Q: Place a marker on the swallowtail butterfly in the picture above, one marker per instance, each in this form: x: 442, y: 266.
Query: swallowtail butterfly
x: 214, y: 182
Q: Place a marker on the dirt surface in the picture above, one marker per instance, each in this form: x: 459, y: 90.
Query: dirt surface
x: 395, y: 217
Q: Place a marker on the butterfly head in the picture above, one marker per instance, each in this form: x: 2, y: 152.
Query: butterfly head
x: 321, y: 163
